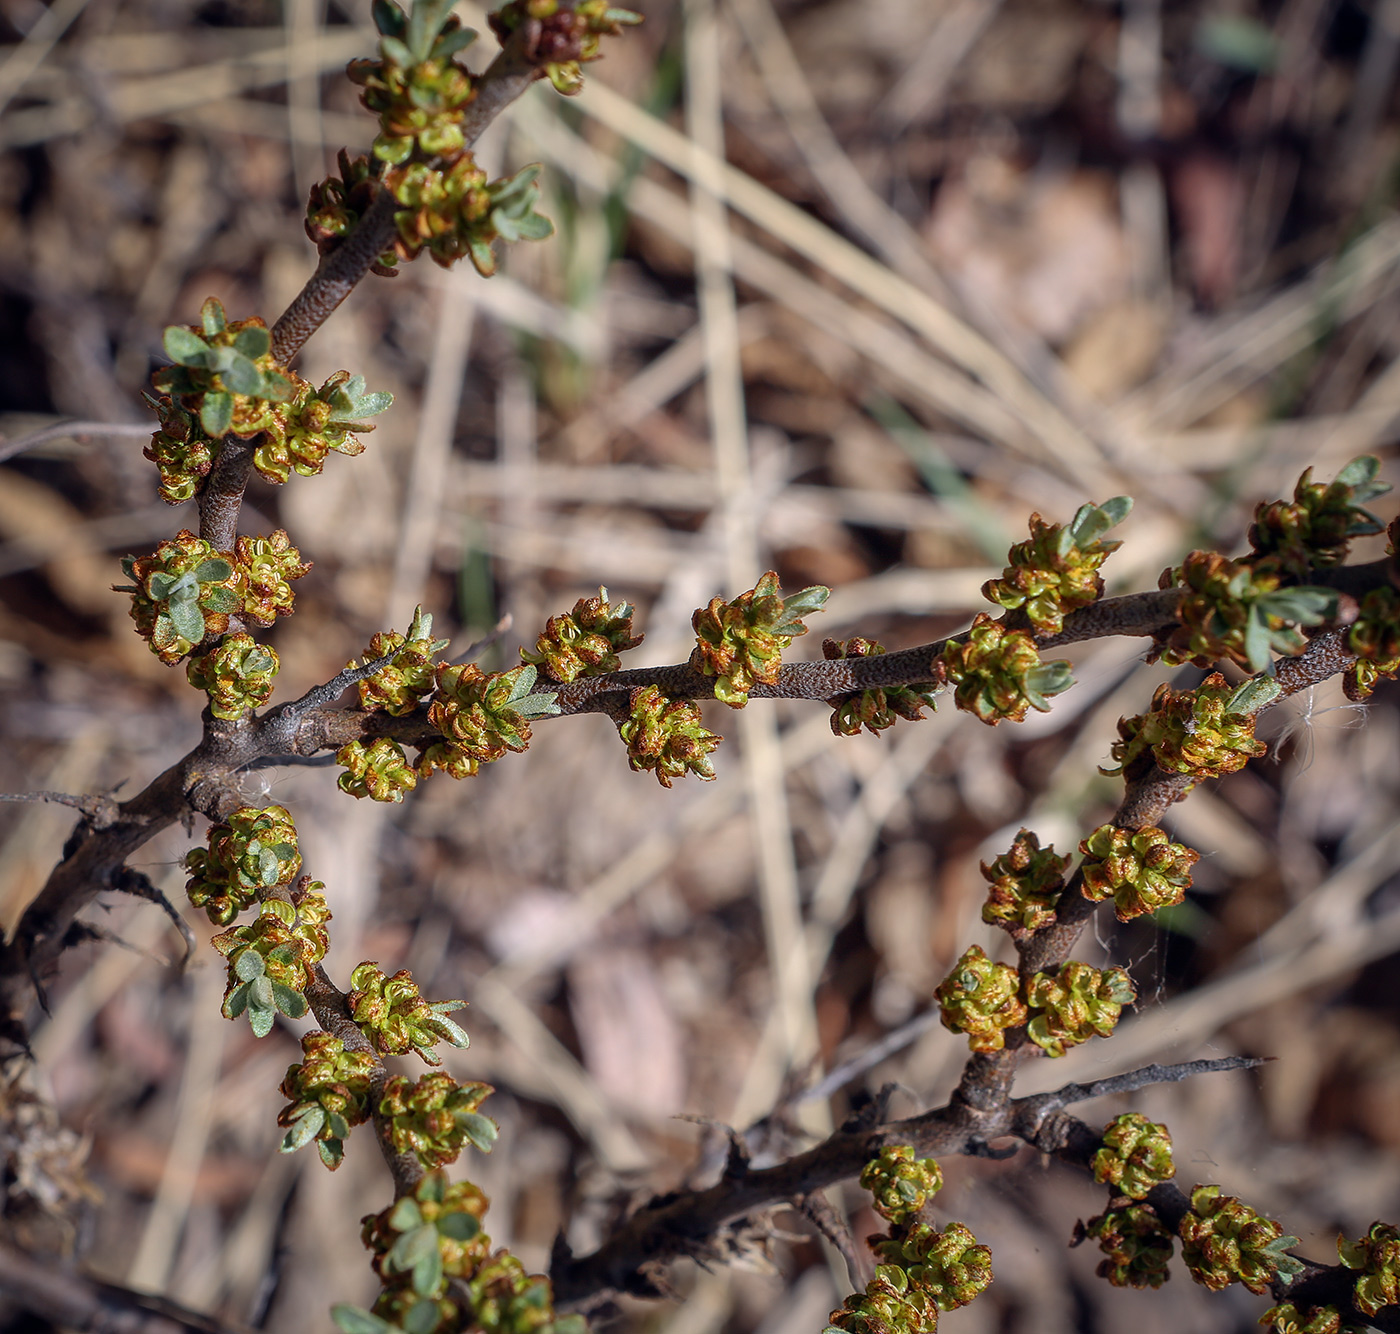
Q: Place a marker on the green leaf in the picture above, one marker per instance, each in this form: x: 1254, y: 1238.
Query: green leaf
x: 269, y: 866
x: 338, y: 1125
x: 534, y: 227
x: 482, y: 256
x: 396, y: 53
x: 1252, y: 695
x: 424, y: 24
x: 276, y: 388
x: 253, y: 341
x: 1303, y: 606
x: 248, y: 965
x: 303, y: 1130
x: 504, y: 225
x: 422, y: 1317
x: 236, y: 1003
x: 449, y: 43
x: 215, y: 570
x: 1256, y: 640
x: 509, y: 188
x: 411, y: 1247
x: 393, y: 151
x: 187, y: 619
x: 184, y: 347
x: 1092, y: 521
x: 805, y: 602
x: 261, y: 1020
x: 216, y: 415
x: 216, y: 598
x: 332, y: 1151
x: 481, y: 1130
x: 406, y: 1215
x: 291, y: 1003
x: 366, y: 405
x: 286, y: 954
x: 459, y: 1227
x: 355, y: 1320
x: 1050, y: 678
x: 389, y: 19
x: 542, y: 705
x: 160, y: 584
x: 211, y: 315
x: 1360, y: 472
x: 427, y: 1273
x: 242, y: 377
x: 260, y: 993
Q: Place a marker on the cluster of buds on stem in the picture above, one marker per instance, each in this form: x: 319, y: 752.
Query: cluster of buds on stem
x: 436, y: 1117
x: 270, y: 960
x: 585, y: 641
x: 997, y: 673
x: 1136, y: 1244
x: 329, y: 1092
x: 1206, y: 733
x: 1057, y: 570
x: 396, y: 1018
x: 876, y: 708
x: 741, y: 643
x: 236, y: 675
x: 1224, y: 1241
x: 1142, y: 870
x: 563, y: 36
x: 1315, y: 529
x: 1135, y: 1156
x: 254, y: 852
x: 666, y: 736
x: 1026, y: 884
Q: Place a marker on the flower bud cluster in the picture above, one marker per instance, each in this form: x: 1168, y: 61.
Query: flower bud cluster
x: 316, y: 422
x: 997, y: 673
x: 1057, y: 570
x: 1075, y: 1004
x: 236, y: 675
x: 255, y: 851
x: 329, y: 1094
x: 1026, y: 883
x: 435, y: 1117
x: 1205, y: 732
x: 1142, y: 870
x: 585, y: 641
x: 400, y: 684
x: 1136, y: 1156
x: 1239, y: 611
x: 224, y: 375
x: 950, y: 1266
x: 741, y: 643
x: 1287, y: 1318
x: 1136, y: 1243
x: 566, y: 36
x: 379, y: 770
x: 901, y: 1183
x: 482, y: 716
x: 182, y: 453
x: 270, y: 959
x: 1375, y: 639
x: 1316, y: 527
x: 666, y: 736
x: 1224, y: 1241
x: 1377, y: 1258
x: 396, y: 1018
x: 982, y: 999
x: 877, y: 708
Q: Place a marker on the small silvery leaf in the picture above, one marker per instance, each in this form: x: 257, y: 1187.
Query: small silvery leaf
x: 405, y: 1215
x: 249, y: 965
x: 219, y: 598
x: 160, y: 584
x: 449, y: 43
x: 253, y: 341
x: 1256, y: 640
x: 389, y: 19
x: 291, y: 1003
x: 303, y: 1130
x: 236, y: 1003
x: 260, y: 993
x: 481, y: 1130
x: 332, y: 1151
x: 412, y: 1246
x: 1360, y: 471
x: 427, y: 1273
x: 242, y: 377
x: 269, y: 867
x: 1252, y: 695
x: 187, y: 619
x: 355, y: 1320
x: 261, y: 1020
x: 459, y: 1227
x: 422, y: 1317
x: 396, y: 53
x: 216, y: 414
x: 215, y: 570
x: 211, y: 316
x: 184, y: 347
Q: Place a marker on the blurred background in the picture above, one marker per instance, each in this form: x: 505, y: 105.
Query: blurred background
x: 968, y: 259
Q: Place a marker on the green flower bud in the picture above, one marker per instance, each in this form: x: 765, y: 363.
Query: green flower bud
x: 1057, y: 571
x: 435, y: 1117
x: 665, y: 735
x: 1237, y: 611
x: 315, y: 423
x: 396, y: 1018
x: 1137, y: 1245
x: 224, y: 374
x: 890, y: 1305
x: 1026, y: 884
x: 1136, y: 1155
x: 1317, y: 527
x: 997, y: 673
x: 254, y: 852
x: 981, y: 998
x: 585, y: 641
x: 949, y: 1265
x: 181, y: 451
x: 430, y: 1236
x: 901, y: 1183
x: 181, y: 594
x: 398, y: 687
x: 380, y: 770
x: 482, y: 716
x: 266, y: 564
x: 1076, y: 1004
x: 741, y: 642
x: 1142, y: 870
x: 236, y: 675
x: 568, y: 36
x: 337, y: 204
x: 270, y: 960
x: 1224, y: 1241
x: 1286, y: 1318
x: 1375, y: 639
x: 874, y: 709
x: 1201, y: 732
x: 329, y: 1093
x: 1377, y: 1257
